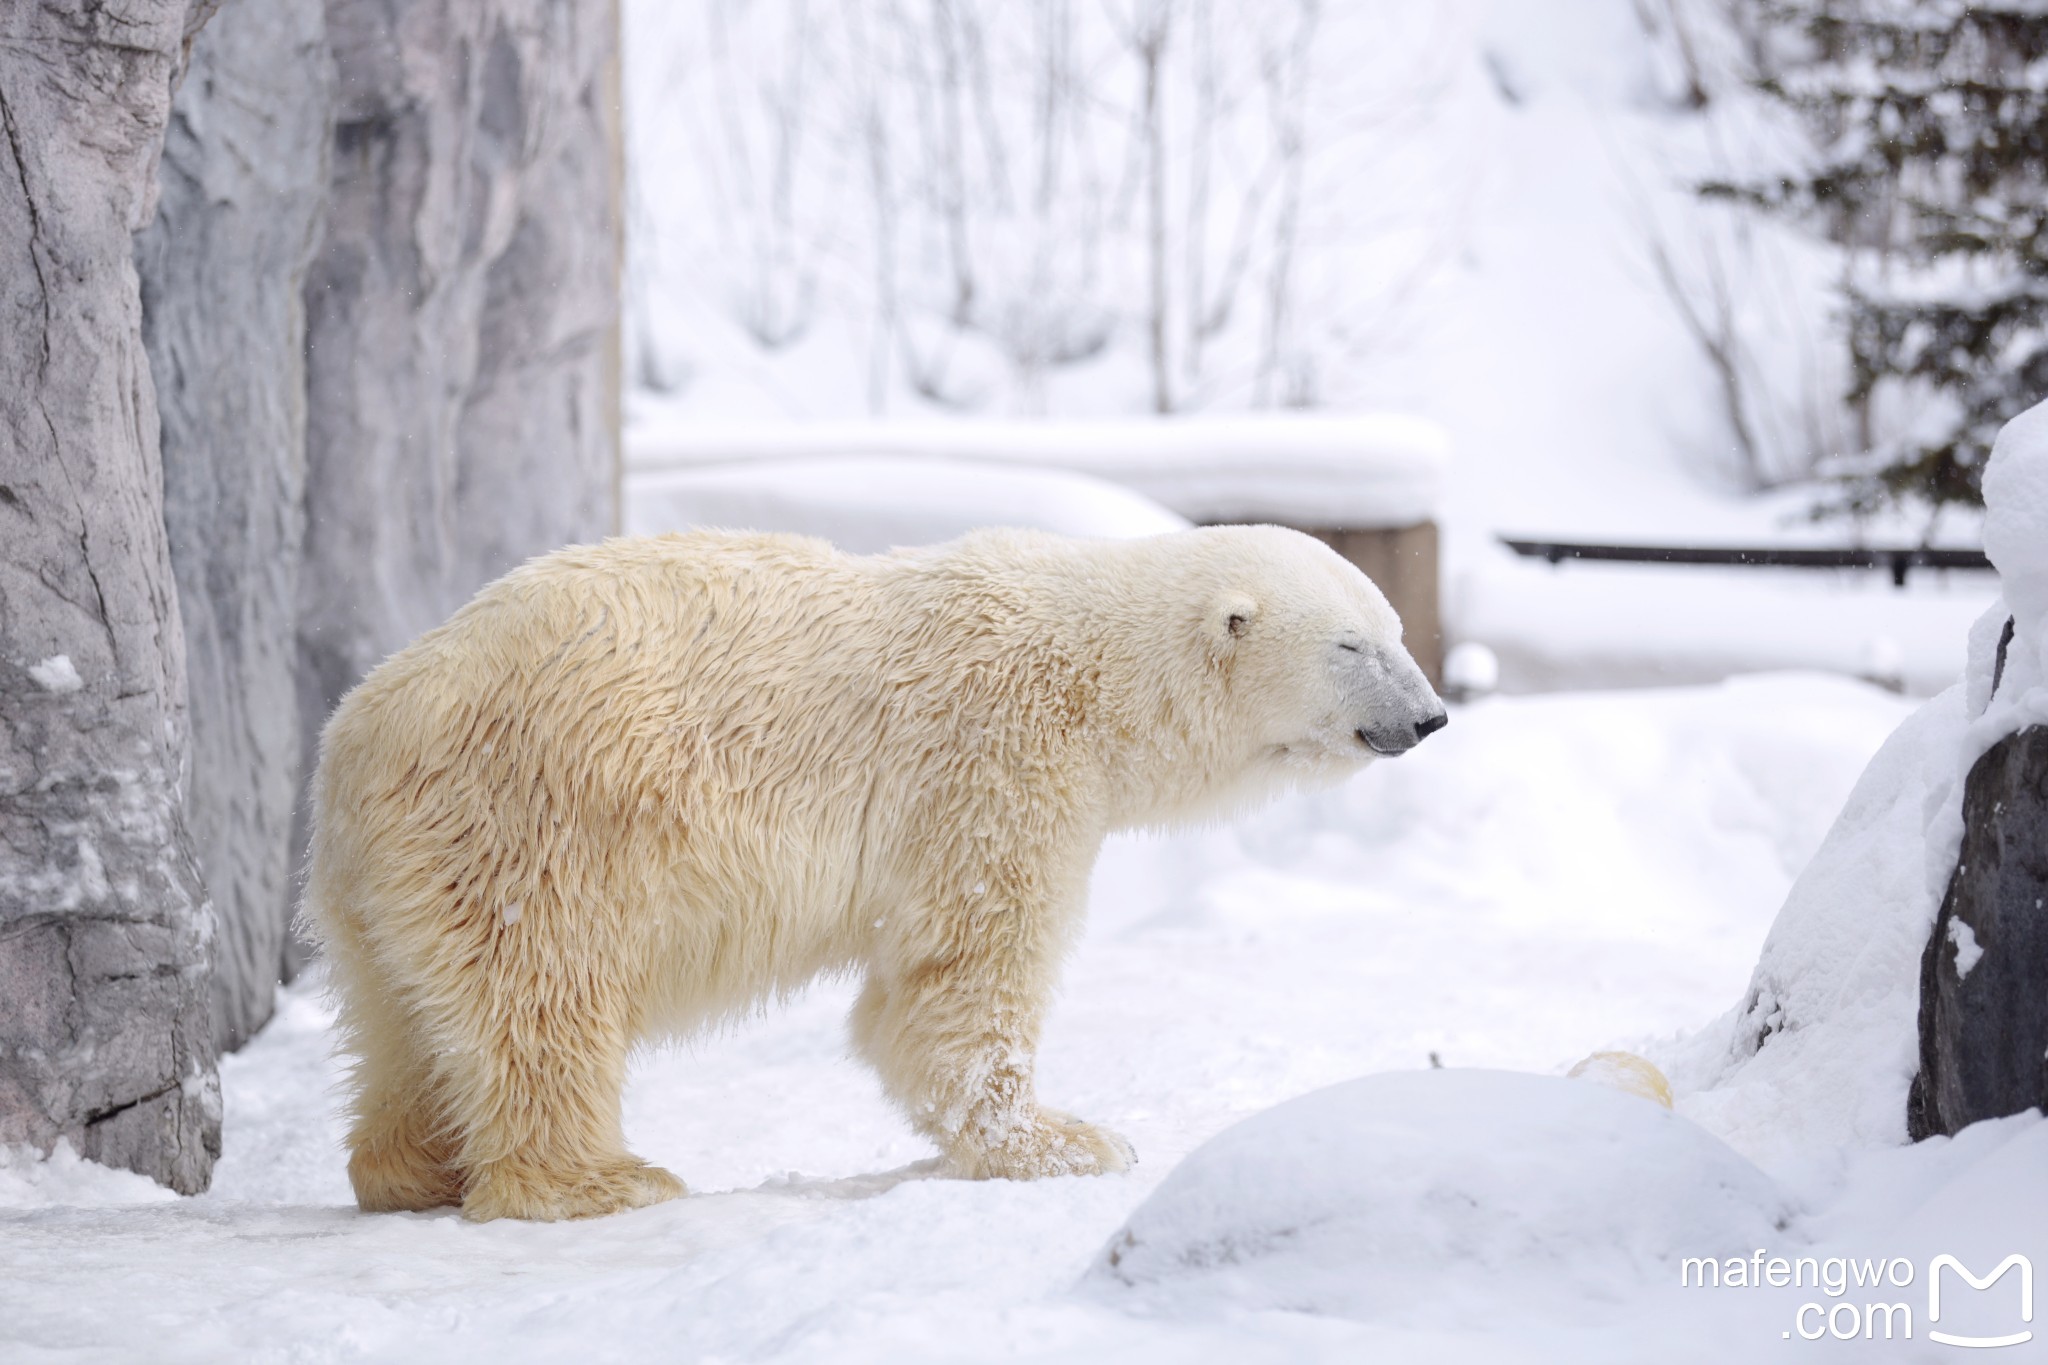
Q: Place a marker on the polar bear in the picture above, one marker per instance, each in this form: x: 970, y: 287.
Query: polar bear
x: 634, y: 788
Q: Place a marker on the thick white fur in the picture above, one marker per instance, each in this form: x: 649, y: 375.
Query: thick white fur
x: 636, y: 787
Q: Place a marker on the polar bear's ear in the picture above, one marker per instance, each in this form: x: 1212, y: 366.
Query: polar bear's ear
x: 1230, y: 617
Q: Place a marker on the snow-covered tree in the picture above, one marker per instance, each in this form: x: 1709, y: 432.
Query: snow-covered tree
x: 1930, y: 169
x: 980, y: 198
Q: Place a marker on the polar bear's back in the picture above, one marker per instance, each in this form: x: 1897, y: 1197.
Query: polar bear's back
x: 634, y: 671
x: 708, y: 732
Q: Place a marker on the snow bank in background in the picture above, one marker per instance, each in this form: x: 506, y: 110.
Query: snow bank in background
x: 1355, y: 471
x: 866, y: 505
x: 1433, y: 1196
x: 1576, y: 626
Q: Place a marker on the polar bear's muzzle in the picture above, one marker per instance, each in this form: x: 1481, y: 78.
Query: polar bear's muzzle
x: 1388, y: 743
x: 1400, y: 707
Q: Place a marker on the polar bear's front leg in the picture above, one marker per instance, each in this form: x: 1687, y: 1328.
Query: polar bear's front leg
x: 956, y: 1051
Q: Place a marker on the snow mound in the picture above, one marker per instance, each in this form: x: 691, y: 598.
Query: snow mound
x: 64, y: 1179
x: 870, y: 504
x: 1403, y: 1195
x: 1358, y: 470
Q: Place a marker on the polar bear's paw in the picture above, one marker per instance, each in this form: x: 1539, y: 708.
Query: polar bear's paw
x: 1049, y: 1144
x: 507, y: 1192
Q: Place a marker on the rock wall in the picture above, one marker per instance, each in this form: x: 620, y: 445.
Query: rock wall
x: 380, y: 297
x: 381, y: 315
x: 105, y: 933
x: 461, y: 313
x: 244, y: 182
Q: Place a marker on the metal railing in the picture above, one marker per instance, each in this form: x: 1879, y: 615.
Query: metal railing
x: 1900, y: 560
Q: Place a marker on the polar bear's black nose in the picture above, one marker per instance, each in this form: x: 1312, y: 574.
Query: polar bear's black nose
x: 1430, y: 725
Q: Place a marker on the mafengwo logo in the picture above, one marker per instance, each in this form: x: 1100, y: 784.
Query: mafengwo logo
x: 1873, y: 1314
x: 1941, y: 1263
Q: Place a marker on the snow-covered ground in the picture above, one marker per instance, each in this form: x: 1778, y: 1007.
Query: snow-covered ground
x: 1548, y: 877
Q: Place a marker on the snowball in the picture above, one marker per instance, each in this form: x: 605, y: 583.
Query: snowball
x: 1377, y: 1199
x: 1471, y: 670
x: 56, y: 674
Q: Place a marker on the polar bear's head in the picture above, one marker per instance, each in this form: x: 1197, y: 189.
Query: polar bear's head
x: 1307, y: 677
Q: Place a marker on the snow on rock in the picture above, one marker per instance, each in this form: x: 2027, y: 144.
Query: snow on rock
x: 869, y: 504
x: 1358, y: 470
x: 1824, y: 1045
x: 56, y: 674
x: 2016, y: 511
x: 1395, y: 1196
x: 1968, y: 950
x: 2016, y: 539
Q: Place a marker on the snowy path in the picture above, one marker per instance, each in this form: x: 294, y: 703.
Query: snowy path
x: 1551, y: 876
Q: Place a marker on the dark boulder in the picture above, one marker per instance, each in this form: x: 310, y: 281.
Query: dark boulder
x: 1984, y: 976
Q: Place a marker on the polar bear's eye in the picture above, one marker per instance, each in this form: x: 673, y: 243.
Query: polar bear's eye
x: 1237, y: 623
x: 1348, y: 647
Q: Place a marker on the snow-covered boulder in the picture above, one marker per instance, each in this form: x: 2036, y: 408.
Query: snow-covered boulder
x: 1824, y: 1047
x: 871, y: 504
x: 1401, y: 1196
x: 1983, y: 1018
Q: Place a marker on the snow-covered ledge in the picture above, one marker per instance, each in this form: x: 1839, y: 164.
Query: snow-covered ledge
x: 1375, y: 471
x: 1368, y: 484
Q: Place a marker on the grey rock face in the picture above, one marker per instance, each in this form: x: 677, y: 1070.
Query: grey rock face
x: 1984, y: 978
x: 243, y: 179
x: 461, y: 316
x: 104, y: 927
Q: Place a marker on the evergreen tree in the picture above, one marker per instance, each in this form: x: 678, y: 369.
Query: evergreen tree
x: 1930, y: 124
